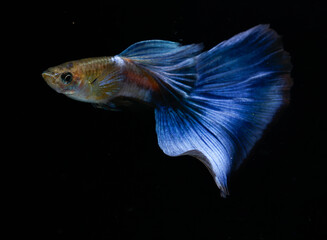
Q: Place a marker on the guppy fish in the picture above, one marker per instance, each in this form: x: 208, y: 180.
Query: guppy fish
x: 211, y: 105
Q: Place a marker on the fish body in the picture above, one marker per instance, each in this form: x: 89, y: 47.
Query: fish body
x: 211, y: 105
x: 98, y: 80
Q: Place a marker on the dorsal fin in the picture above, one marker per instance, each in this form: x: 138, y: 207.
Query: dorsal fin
x: 149, y: 48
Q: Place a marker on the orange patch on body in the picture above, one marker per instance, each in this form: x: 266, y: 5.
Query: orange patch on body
x: 140, y: 76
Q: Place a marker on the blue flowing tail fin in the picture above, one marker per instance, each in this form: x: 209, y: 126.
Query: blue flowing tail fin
x: 224, y: 98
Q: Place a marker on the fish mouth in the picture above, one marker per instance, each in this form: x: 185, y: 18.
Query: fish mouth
x: 50, y: 78
x: 46, y: 75
x: 49, y: 74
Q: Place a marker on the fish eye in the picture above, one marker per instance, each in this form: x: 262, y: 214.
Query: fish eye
x: 66, y: 77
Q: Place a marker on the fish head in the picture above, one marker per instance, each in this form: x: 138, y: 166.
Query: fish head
x: 69, y: 80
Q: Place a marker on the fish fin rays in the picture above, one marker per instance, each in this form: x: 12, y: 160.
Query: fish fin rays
x: 144, y: 50
x: 181, y: 131
x: 244, y: 81
x: 241, y: 83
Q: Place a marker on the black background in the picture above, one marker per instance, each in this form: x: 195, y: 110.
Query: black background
x: 94, y: 174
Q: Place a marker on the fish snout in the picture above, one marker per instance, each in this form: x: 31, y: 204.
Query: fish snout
x: 48, y: 75
x: 51, y: 79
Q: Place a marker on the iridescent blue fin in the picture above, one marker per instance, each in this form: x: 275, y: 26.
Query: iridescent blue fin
x: 187, y: 131
x: 230, y: 94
